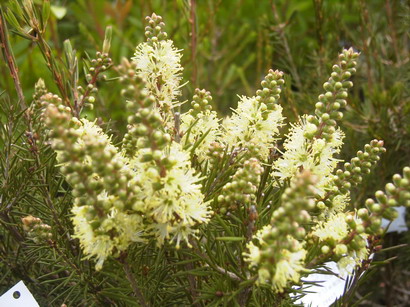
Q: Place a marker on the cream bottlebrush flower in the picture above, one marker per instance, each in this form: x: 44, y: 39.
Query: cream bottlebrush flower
x: 288, y: 268
x: 348, y: 262
x: 89, y: 130
x: 339, y: 204
x: 100, y: 221
x: 247, y: 127
x: 302, y: 153
x: 253, y: 257
x: 159, y: 65
x: 334, y: 229
x: 194, y: 128
x: 97, y: 241
x: 179, y: 204
x: 283, y: 268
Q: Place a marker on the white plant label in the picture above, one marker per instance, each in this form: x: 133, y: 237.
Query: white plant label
x: 18, y: 296
x: 330, y: 288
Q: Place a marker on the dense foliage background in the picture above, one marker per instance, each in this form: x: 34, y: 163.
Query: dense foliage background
x: 228, y: 47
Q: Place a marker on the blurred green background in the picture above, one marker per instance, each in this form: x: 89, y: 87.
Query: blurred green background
x: 228, y: 46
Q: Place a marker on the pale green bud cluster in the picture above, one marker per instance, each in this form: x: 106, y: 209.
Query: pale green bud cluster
x: 91, y: 165
x: 290, y: 217
x: 47, y: 99
x: 101, y: 63
x: 359, y: 166
x: 243, y: 186
x: 353, y: 172
x: 36, y: 230
x: 202, y: 100
x: 199, y: 127
x: 271, y: 89
x: 41, y: 99
x: 40, y: 89
x: 154, y: 32
x: 276, y: 250
x: 327, y: 108
x: 145, y: 129
x: 396, y: 194
x: 128, y: 78
x: 215, y: 153
x: 145, y: 122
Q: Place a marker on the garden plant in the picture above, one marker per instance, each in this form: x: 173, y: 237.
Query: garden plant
x: 183, y: 205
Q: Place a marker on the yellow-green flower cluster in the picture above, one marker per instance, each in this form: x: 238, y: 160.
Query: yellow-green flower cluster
x: 158, y: 63
x: 313, y: 143
x: 36, y: 230
x: 315, y: 155
x: 200, y: 126
x: 276, y: 250
x: 335, y: 236
x: 172, y: 202
x: 104, y: 187
x: 255, y: 123
x: 170, y: 197
x: 149, y: 190
x: 344, y: 236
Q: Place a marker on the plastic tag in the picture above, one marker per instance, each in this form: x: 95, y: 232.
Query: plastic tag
x: 330, y: 287
x: 18, y: 296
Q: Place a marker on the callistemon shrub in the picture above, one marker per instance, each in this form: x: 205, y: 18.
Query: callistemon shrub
x: 239, y: 211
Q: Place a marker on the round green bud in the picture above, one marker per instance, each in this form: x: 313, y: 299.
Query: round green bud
x: 347, y: 84
x: 167, y: 137
x: 363, y: 213
x: 342, y: 95
x: 335, y: 106
x: 359, y: 229
x: 392, y: 202
x: 376, y: 208
x: 404, y: 183
x: 157, y: 154
x: 377, y: 221
x: 338, y: 85
x: 350, y: 220
x: 325, y: 116
x: 340, y: 249
x: 325, y: 249
x: 346, y: 75
x: 319, y: 105
x: 321, y: 205
x: 327, y: 87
